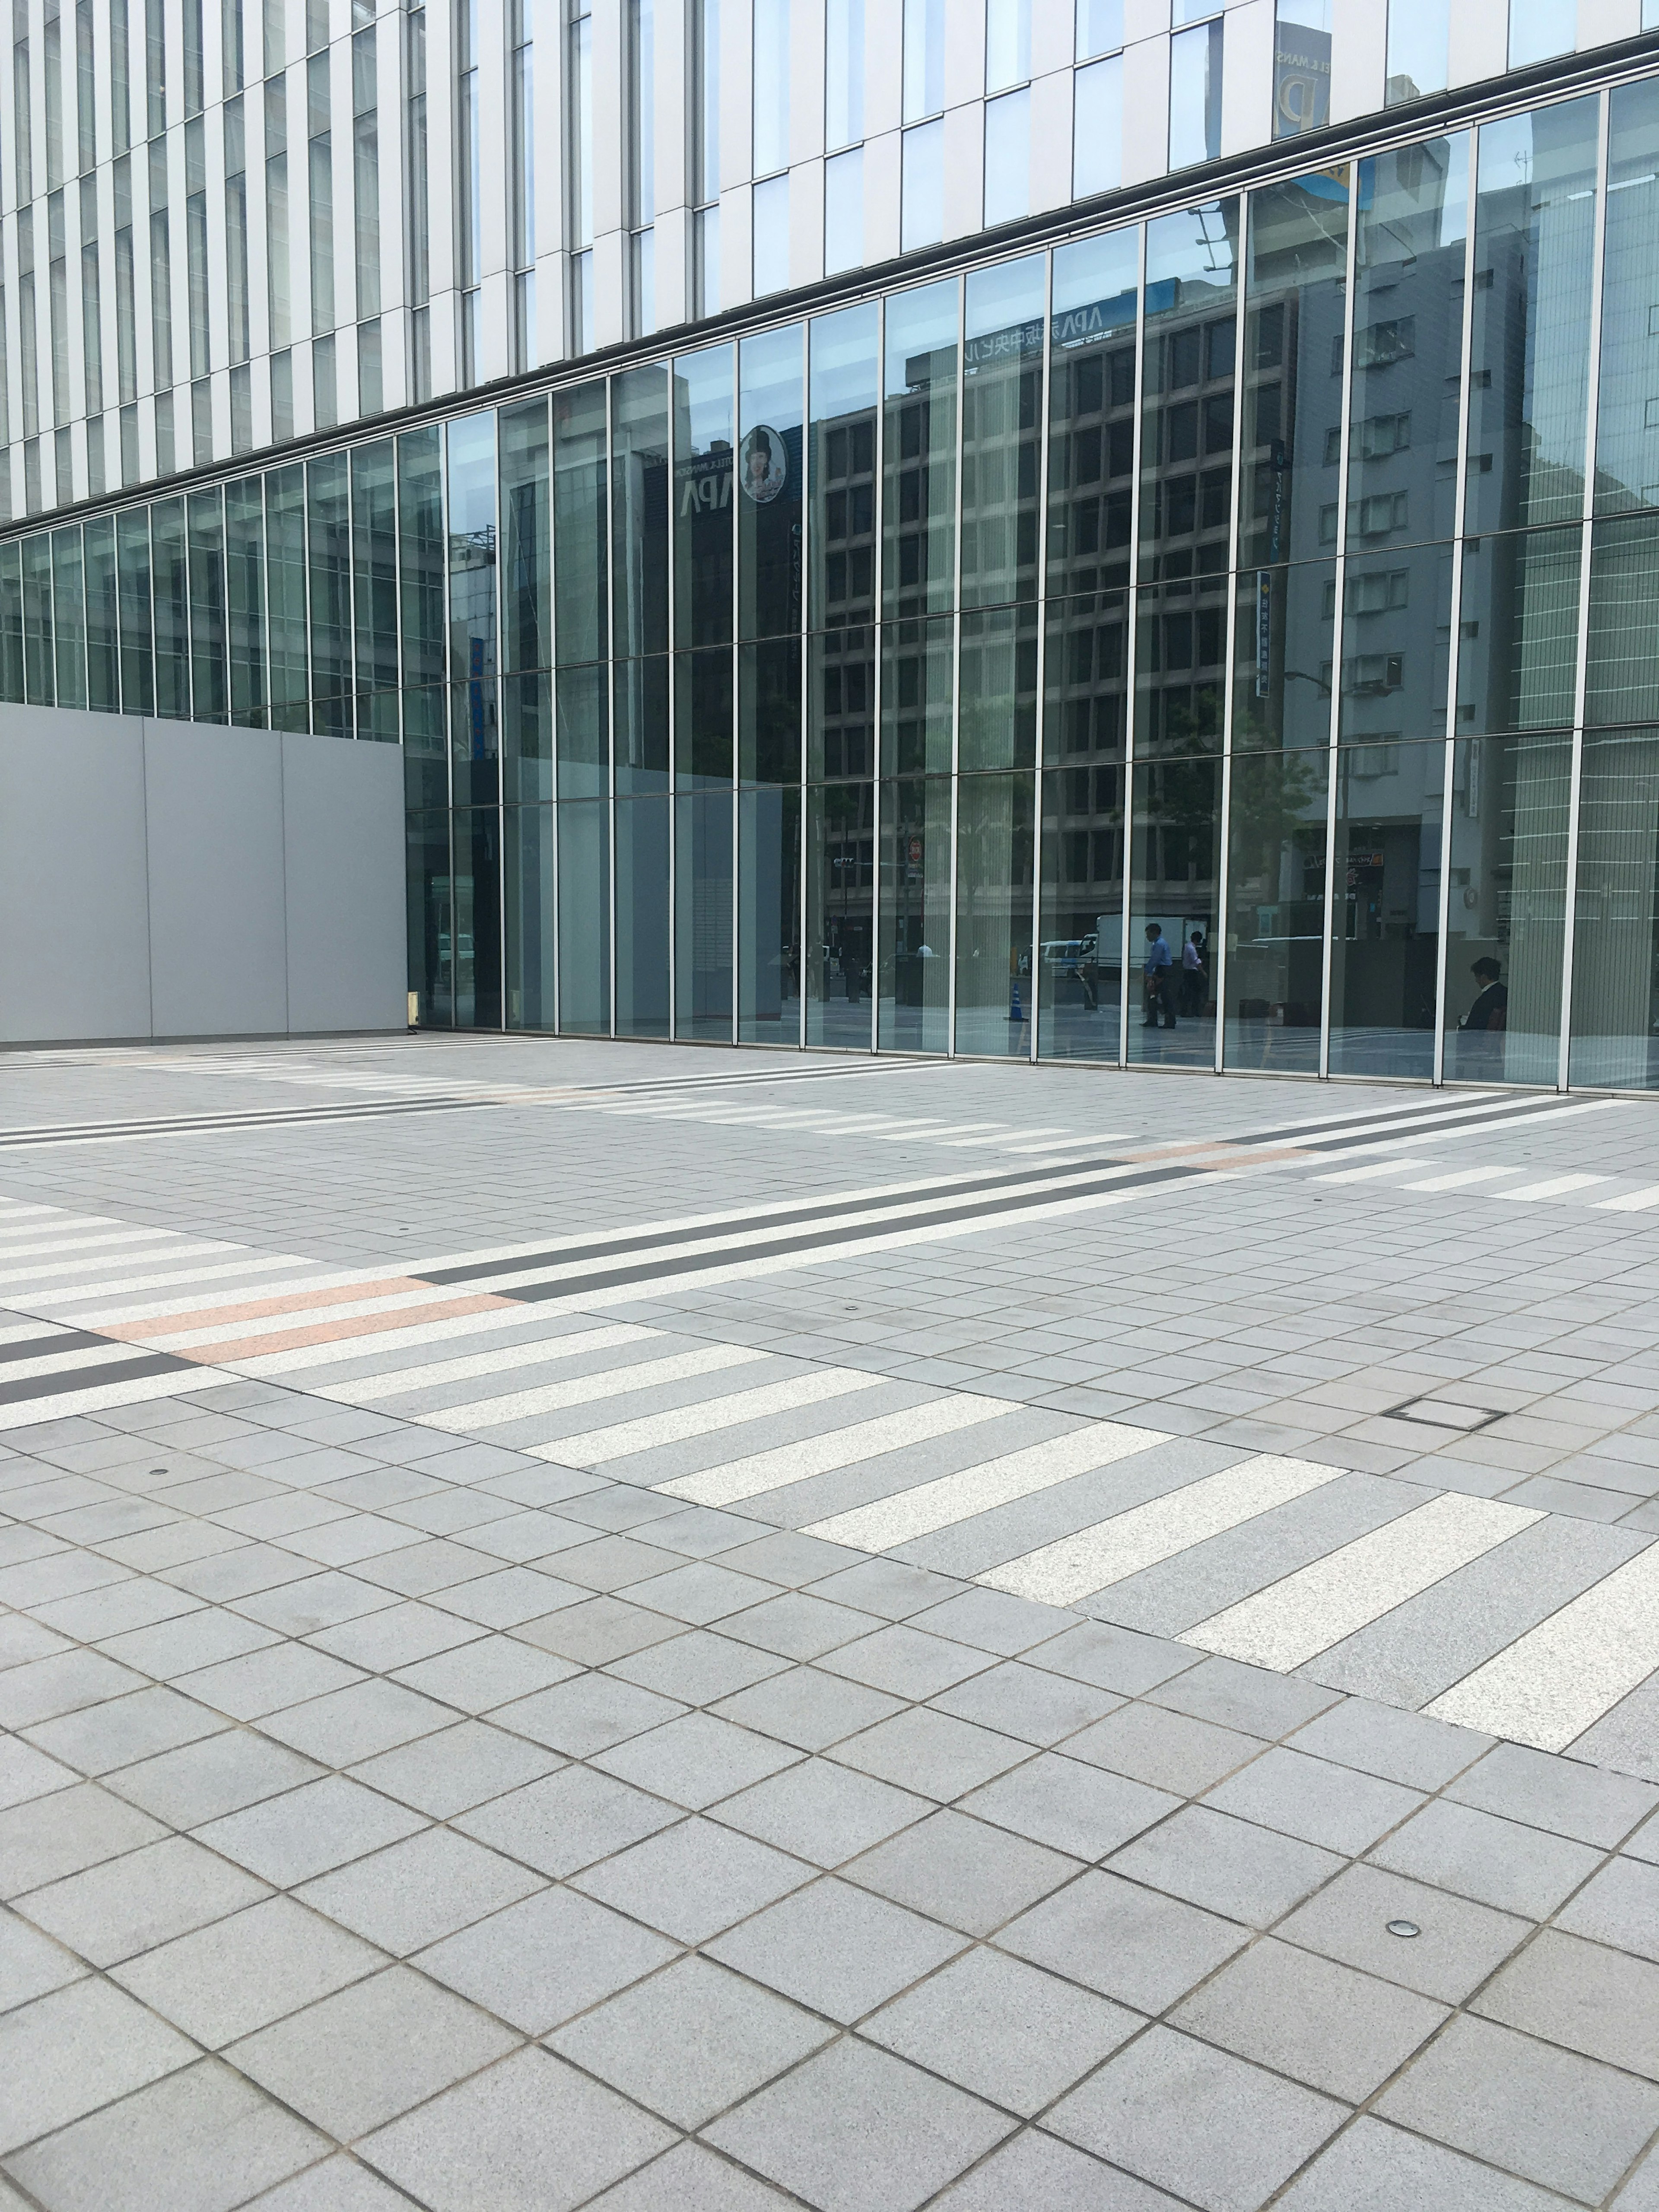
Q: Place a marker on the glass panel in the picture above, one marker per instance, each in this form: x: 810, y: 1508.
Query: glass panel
x: 841, y: 699
x: 527, y: 738
x: 1517, y: 650
x: 999, y: 689
x: 768, y: 711
x: 639, y: 478
x: 420, y: 598
x: 840, y: 888
x: 1097, y: 128
x: 285, y: 583
x: 1082, y: 948
x: 103, y: 657
x: 642, y: 881
x: 375, y: 552
x: 584, y: 738
x: 1175, y: 842
x: 1533, y: 236
x: 137, y: 643
x: 915, y: 697
x: 1396, y: 642
x: 68, y: 595
x: 40, y: 680
x: 1419, y: 48
x: 1276, y: 909
x: 702, y: 913
x: 245, y: 577
x: 1001, y: 431
x: 994, y: 910
x: 1504, y: 925
x: 702, y: 718
x: 703, y: 497
x: 1086, y: 679
x: 769, y: 915
x: 1283, y: 644
x: 209, y: 674
x: 1180, y: 646
x: 914, y: 989
x: 1615, y: 943
x: 166, y: 536
x: 1091, y: 412
x: 641, y: 725
x: 1622, y: 657
x: 329, y: 532
x: 1302, y: 67
x: 531, y: 899
x: 1626, y: 415
x: 1387, y: 921
x: 474, y: 736
x: 1408, y: 339
x: 478, y: 917
x: 582, y: 625
x: 769, y: 411
x: 844, y: 395
x: 920, y: 451
x: 1293, y: 317
x: 526, y: 575
x: 431, y: 917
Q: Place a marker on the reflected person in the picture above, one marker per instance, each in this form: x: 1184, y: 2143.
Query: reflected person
x: 1480, y: 1054
x: 1160, y: 971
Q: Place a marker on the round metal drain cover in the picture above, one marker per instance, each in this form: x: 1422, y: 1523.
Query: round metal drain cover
x: 1404, y: 1927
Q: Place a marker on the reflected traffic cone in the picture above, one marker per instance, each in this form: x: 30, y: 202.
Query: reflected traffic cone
x: 1014, y: 1013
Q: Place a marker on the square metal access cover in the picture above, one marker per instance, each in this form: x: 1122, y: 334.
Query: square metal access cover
x: 1445, y: 1413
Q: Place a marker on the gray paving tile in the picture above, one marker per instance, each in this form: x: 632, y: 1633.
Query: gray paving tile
x: 124, y: 1730
x: 840, y: 1950
x: 698, y: 1668
x: 567, y: 1820
x: 1619, y: 1906
x: 798, y: 1626
x: 1640, y: 2192
x: 351, y: 1724
x: 1457, y: 1943
x: 457, y: 1768
x: 858, y: 2131
x: 1585, y: 1802
x: 45, y: 1839
x: 200, y: 2141
x: 905, y: 1661
x: 690, y: 2178
x: 1027, y: 1702
x: 226, y: 1980
x: 1405, y: 1747
x: 1496, y: 1862
x: 696, y: 1760
x: 1117, y: 1659
x: 593, y: 1634
x: 308, y: 1831
x: 530, y: 2135
x: 68, y: 2053
x: 589, y: 1713
x: 1035, y: 2173
x: 822, y: 1811
x: 691, y: 2041
x: 31, y: 1964
x: 962, y: 1871
x: 200, y: 1781
x: 1229, y: 1866
x: 1549, y: 2115
x: 1245, y: 1698
x: 411, y: 1893
x: 26, y: 1772
x: 262, y: 1682
x: 544, y: 1960
x: 357, y: 2059
x: 1069, y: 1805
x: 932, y: 1752
x: 1170, y: 1750
x: 1298, y: 1796
x: 1593, y: 2000
x: 1011, y: 2034
x: 1128, y: 1942
x: 695, y: 1879
x: 45, y: 1688
x: 492, y: 1670
x: 1372, y: 2167
x: 131, y: 1904
x: 889, y: 1588
x: 807, y: 1709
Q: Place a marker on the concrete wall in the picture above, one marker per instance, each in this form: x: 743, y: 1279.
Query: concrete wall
x: 174, y: 879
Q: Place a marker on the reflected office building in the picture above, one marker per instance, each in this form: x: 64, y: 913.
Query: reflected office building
x: 1091, y: 545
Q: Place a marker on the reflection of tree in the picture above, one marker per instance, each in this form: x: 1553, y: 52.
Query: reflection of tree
x: 1274, y: 796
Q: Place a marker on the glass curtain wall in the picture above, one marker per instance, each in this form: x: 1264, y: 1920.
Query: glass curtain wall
x: 1223, y: 642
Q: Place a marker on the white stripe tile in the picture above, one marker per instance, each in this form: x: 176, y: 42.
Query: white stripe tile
x: 313, y: 1361
x: 790, y: 1463
x: 18, y: 1332
x: 96, y: 1310
x: 1553, y: 1187
x: 158, y: 1246
x: 1630, y: 1201
x: 653, y: 1431
x: 220, y: 1332
x: 1558, y: 1679
x: 1076, y: 1566
x: 66, y: 1363
x: 25, y: 1244
x: 180, y: 1280
x: 951, y: 1498
x: 1291, y: 1620
x: 65, y: 1404
x: 1460, y: 1178
x: 586, y: 1389
x: 365, y: 1389
x: 1392, y: 1165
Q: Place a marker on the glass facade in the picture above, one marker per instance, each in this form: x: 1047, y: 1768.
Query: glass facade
x: 1229, y: 641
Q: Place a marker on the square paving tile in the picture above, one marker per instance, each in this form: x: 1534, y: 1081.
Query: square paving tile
x: 1598, y: 2001
x: 124, y: 1730
x: 132, y: 1902
x: 490, y: 1671
x: 1214, y: 2130
x: 530, y: 2135
x: 1457, y: 1945
x: 855, y: 2130
x: 822, y: 1811
x: 200, y: 2141
x: 696, y: 1760
x: 1324, y: 1804
x: 695, y: 1879
x: 26, y: 1772
x: 220, y: 1775
x: 692, y: 2178
x: 1120, y: 1659
x: 1383, y: 2169
x: 1011, y: 2034
x: 934, y: 1752
x: 1585, y: 1802
x: 699, y: 1668
x: 962, y: 1871
x: 239, y: 1973
x: 808, y: 1709
x: 587, y: 1714
x: 31, y: 1964
x: 1034, y: 2173
x: 348, y: 1725
x: 1027, y: 1702
x: 905, y: 1661
x: 1128, y: 1942
x: 412, y: 1892
x: 45, y: 1839
x: 1069, y: 1805
x: 690, y: 2041
x: 1620, y: 1906
x: 1246, y: 1698
x: 839, y: 1949
x: 68, y: 2053
x: 307, y: 1830
x: 1230, y: 1866
x: 458, y: 1768
x: 1403, y: 1747
x: 1560, y: 2119
x: 1320, y: 2022
x: 593, y: 1634
x: 1496, y: 1862
x: 800, y: 1626
x: 567, y: 1820
x: 545, y: 1960
x: 357, y: 2059
x: 1170, y: 1751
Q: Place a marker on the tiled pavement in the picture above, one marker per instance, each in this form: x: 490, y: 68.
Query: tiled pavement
x: 518, y: 1694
